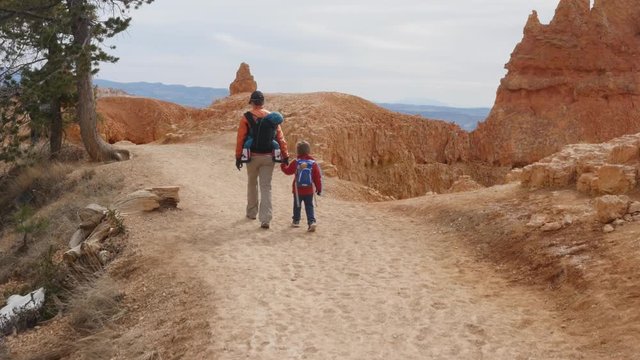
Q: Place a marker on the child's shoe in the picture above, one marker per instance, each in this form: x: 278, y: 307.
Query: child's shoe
x: 295, y: 223
x: 264, y: 225
x: 312, y: 227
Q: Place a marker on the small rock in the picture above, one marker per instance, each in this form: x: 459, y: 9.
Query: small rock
x: 608, y: 228
x: 537, y: 220
x: 628, y: 218
x: 104, y: 256
x: 636, y: 217
x: 552, y: 226
x: 618, y: 222
x: 567, y: 220
x: 634, y: 207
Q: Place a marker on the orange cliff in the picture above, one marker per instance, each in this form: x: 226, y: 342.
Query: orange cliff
x: 574, y: 80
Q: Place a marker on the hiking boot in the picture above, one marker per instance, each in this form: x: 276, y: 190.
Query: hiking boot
x: 312, y: 227
x: 251, y: 217
x: 295, y: 223
x: 264, y: 225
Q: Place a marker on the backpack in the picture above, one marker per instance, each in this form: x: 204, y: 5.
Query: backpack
x: 262, y: 131
x: 304, y: 176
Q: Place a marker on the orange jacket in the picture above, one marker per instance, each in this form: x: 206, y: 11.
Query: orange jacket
x: 243, y: 131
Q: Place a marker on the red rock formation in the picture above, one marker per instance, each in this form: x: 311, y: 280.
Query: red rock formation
x: 141, y: 120
x: 244, y: 82
x: 393, y: 154
x: 574, y: 80
x: 606, y: 168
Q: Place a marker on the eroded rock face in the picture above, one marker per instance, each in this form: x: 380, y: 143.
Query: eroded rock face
x: 398, y: 155
x: 141, y: 120
x: 595, y: 169
x: 244, y: 82
x: 393, y: 154
x: 574, y: 80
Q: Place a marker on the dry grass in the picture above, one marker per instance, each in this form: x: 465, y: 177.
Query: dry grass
x: 91, y: 308
x: 94, y: 304
x: 35, y: 186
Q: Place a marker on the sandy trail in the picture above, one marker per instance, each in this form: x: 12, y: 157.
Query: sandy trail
x: 370, y: 284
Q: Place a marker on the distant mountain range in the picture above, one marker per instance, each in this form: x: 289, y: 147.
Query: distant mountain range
x: 201, y: 97
x: 194, y: 96
x: 466, y: 118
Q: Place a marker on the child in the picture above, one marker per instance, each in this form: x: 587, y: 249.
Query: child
x: 271, y: 121
x: 307, y: 175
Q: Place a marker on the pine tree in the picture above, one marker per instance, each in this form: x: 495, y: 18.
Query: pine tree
x: 56, y: 47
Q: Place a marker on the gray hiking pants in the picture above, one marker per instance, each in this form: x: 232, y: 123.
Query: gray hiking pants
x: 260, y: 172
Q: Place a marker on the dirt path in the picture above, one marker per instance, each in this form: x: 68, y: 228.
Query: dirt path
x: 369, y: 284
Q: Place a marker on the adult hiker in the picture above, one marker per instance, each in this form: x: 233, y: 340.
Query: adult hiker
x: 259, y: 129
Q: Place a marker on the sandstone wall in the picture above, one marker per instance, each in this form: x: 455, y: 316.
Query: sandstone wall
x: 398, y: 155
x: 594, y: 169
x: 141, y: 120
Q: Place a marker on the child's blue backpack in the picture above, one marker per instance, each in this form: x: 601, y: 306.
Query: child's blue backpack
x: 304, y: 172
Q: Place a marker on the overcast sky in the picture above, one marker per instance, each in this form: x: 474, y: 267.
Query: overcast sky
x: 452, y: 51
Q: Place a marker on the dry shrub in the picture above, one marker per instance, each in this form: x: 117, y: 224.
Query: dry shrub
x: 96, y: 347
x: 95, y: 304
x: 71, y: 153
x: 35, y: 185
x: 93, y: 186
x: 4, y: 352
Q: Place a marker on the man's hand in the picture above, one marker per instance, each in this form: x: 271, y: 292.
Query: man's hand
x: 285, y: 161
x: 319, y: 193
x: 238, y: 164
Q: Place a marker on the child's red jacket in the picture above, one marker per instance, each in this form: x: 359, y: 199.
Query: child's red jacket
x: 316, y: 176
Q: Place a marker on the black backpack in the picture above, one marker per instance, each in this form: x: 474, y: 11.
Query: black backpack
x: 262, y: 132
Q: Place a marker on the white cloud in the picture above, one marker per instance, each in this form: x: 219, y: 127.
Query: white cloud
x: 451, y: 50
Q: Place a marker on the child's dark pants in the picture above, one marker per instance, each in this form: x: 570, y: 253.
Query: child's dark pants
x: 308, y: 208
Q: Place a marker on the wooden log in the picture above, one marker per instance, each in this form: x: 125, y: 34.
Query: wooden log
x: 91, y: 216
x: 141, y: 200
x: 77, y: 238
x: 71, y: 255
x: 99, y: 233
x: 90, y: 248
x: 169, y: 197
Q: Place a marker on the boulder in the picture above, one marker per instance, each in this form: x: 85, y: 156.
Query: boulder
x: 616, y: 179
x: 555, y: 174
x: 634, y: 207
x: 611, y: 207
x: 623, y: 154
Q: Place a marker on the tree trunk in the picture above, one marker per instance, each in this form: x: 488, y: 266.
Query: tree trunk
x: 98, y: 149
x: 55, y: 136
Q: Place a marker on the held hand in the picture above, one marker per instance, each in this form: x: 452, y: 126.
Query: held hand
x: 239, y: 164
x: 319, y: 193
x: 285, y: 161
